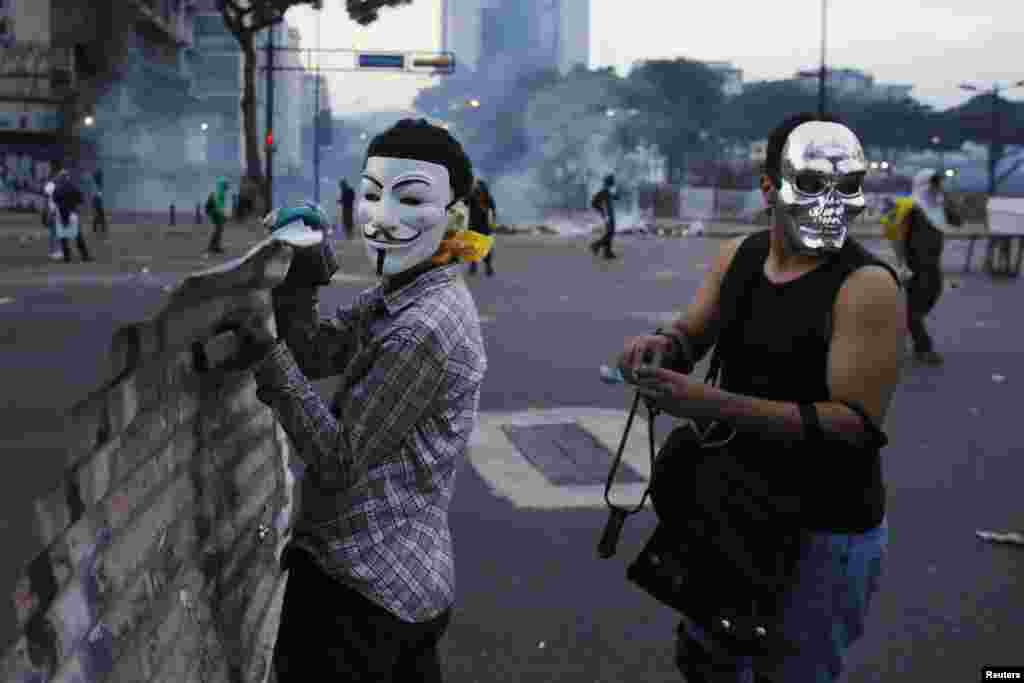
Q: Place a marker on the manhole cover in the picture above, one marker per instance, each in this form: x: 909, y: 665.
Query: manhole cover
x: 566, y: 454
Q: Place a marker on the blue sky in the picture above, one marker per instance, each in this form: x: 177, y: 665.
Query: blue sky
x: 934, y: 45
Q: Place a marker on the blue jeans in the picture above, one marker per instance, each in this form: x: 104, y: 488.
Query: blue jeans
x: 822, y: 615
x: 54, y: 242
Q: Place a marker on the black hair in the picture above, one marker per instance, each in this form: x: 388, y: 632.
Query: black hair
x: 778, y: 137
x: 609, y: 179
x: 420, y: 140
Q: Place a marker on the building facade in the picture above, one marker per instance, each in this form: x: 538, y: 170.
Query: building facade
x: 219, y: 83
x: 529, y: 33
x: 854, y: 84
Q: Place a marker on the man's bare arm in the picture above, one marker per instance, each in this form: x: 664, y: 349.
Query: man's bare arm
x: 864, y: 365
x: 700, y: 322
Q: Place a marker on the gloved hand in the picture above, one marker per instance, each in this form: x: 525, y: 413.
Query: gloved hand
x: 255, y: 339
x: 311, y: 266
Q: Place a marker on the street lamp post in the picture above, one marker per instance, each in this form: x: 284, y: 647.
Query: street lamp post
x: 821, y: 70
x: 936, y: 140
x: 995, y: 134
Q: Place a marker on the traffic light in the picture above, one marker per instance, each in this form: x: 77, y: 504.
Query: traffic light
x: 270, y: 139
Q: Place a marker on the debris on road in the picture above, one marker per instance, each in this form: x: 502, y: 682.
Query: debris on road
x: 1010, y: 537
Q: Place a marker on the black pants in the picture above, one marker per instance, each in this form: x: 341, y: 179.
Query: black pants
x: 99, y: 220
x: 218, y: 235
x: 330, y: 632
x: 83, y: 249
x: 923, y: 292
x: 606, y: 241
x: 348, y: 219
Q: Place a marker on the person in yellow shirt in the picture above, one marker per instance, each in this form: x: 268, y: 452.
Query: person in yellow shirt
x: 916, y: 227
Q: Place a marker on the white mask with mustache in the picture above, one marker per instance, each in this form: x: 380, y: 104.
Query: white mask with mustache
x: 402, y: 211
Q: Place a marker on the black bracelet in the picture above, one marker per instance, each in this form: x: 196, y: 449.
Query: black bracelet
x: 682, y: 352
x: 813, y: 433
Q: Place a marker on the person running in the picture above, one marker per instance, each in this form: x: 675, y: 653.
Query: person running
x: 482, y: 215
x: 812, y: 355
x: 604, y: 201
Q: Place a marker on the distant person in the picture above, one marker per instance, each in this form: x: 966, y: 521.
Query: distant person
x: 604, y: 201
x: 215, y: 211
x: 916, y: 226
x: 68, y: 197
x: 346, y: 204
x: 482, y: 216
x: 50, y: 218
x: 99, y: 215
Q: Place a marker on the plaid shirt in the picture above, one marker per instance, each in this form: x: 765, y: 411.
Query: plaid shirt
x: 381, y: 461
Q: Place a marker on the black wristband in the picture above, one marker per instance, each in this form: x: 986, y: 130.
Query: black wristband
x: 813, y: 433
x: 682, y: 352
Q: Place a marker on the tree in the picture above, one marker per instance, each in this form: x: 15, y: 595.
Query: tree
x: 246, y: 18
x: 992, y: 119
x: 676, y: 99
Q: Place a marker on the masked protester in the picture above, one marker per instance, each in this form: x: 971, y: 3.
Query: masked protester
x: 372, y: 578
x: 812, y: 357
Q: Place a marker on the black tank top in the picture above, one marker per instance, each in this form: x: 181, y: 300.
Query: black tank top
x: 777, y: 349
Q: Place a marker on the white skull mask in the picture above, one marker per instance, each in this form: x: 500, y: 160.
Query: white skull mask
x: 402, y: 211
x: 822, y: 185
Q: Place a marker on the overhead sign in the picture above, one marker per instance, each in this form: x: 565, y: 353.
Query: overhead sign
x: 422, y: 62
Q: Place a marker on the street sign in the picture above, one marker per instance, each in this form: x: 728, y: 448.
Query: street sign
x: 381, y: 61
x: 438, y: 63
x: 417, y: 62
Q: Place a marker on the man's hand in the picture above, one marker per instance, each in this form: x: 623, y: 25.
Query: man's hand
x: 637, y: 348
x: 255, y: 338
x: 311, y: 266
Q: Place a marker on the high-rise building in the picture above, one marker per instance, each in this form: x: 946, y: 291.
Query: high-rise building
x: 533, y: 33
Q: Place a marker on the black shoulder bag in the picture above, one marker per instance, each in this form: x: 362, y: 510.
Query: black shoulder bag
x: 727, y: 542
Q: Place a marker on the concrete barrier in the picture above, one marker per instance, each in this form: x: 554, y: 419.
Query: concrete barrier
x: 156, y: 557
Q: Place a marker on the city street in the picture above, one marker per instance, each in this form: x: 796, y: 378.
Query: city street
x: 535, y: 604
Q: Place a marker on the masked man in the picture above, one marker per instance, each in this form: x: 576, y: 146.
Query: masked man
x: 372, y: 577
x: 811, y: 356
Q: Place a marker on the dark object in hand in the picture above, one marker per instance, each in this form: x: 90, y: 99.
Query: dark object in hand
x: 254, y: 339
x: 311, y: 267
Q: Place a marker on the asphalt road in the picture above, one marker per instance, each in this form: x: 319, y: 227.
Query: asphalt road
x: 534, y: 601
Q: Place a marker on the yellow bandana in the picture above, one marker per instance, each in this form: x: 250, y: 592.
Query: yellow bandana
x: 465, y: 245
x: 895, y: 221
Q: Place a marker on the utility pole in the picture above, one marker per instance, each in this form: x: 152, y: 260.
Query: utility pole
x: 269, y: 141
x: 992, y: 158
x: 822, y: 72
x: 316, y: 119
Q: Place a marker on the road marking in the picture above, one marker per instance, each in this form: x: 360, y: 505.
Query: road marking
x: 658, y: 317
x: 511, y: 476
